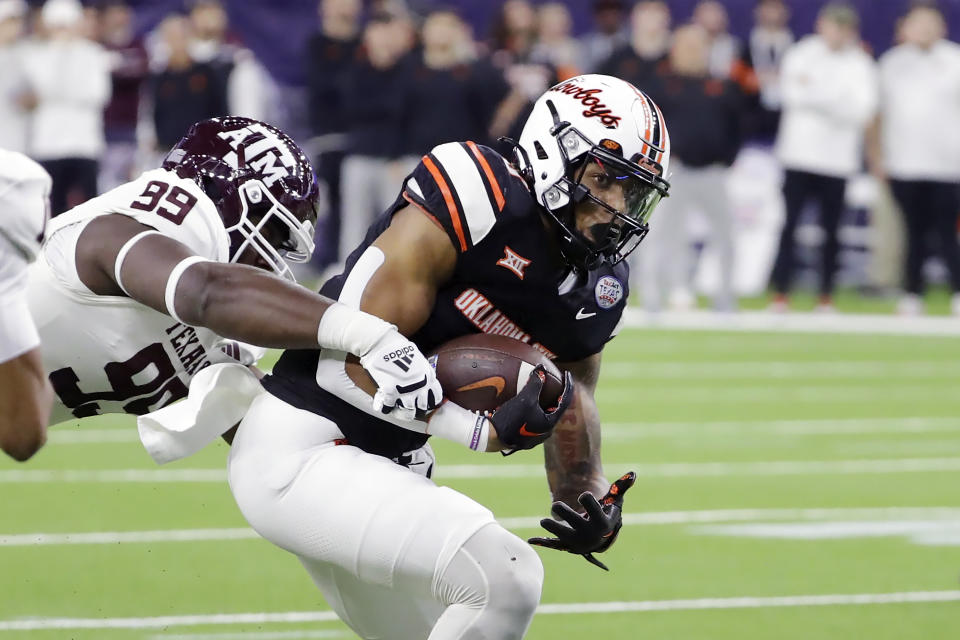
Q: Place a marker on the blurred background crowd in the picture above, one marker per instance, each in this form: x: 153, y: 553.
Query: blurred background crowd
x: 815, y: 146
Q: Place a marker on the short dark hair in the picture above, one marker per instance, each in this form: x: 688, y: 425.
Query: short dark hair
x: 602, y: 5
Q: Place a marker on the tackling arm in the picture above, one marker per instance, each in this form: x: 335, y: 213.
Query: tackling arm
x: 234, y: 300
x: 117, y: 255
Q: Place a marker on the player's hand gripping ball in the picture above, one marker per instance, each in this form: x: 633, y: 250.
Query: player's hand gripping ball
x: 520, y: 390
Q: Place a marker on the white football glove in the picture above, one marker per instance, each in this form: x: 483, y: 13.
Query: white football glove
x: 406, y: 382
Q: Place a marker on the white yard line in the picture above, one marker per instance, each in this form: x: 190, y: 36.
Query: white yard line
x: 858, y: 447
x: 919, y: 532
x: 842, y: 323
x: 304, y: 634
x: 652, y: 518
x: 37, y: 624
x: 126, y: 537
x: 753, y: 602
x: 712, y: 394
x: 502, y: 471
x: 766, y: 369
x: 823, y: 426
x: 749, y: 602
x: 721, y: 469
x: 118, y: 476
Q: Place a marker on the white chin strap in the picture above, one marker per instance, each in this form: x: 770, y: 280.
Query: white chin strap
x: 254, y: 192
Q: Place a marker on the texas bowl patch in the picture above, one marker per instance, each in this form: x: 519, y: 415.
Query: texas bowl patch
x: 608, y: 292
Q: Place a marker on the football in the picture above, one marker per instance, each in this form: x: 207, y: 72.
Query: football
x: 480, y: 372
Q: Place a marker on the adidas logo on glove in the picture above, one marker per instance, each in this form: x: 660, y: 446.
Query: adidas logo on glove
x: 401, y: 357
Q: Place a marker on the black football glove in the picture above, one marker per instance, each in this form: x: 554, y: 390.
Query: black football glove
x: 592, y: 532
x: 520, y: 422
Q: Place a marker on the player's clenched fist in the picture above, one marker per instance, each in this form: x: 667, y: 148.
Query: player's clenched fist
x: 520, y: 422
x: 406, y: 382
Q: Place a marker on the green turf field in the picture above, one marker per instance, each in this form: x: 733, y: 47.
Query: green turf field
x: 790, y: 486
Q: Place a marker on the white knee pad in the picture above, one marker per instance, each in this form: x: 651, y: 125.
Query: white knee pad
x: 492, y: 588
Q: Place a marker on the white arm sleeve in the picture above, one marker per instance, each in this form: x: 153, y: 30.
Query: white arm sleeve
x: 170, y: 294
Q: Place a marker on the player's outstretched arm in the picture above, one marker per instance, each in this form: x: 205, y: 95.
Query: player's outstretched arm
x: 25, y: 397
x: 588, y: 510
x: 238, y: 302
x: 572, y: 455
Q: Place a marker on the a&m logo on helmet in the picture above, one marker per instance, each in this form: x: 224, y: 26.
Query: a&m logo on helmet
x: 608, y: 292
x: 592, y: 100
x: 258, y: 147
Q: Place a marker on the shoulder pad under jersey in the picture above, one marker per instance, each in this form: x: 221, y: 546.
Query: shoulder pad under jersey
x: 174, y: 206
x: 466, y: 188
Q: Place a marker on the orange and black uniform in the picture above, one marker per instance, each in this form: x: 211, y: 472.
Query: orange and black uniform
x: 508, y: 280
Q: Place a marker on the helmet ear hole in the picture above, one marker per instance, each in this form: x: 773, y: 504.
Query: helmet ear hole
x: 541, y: 152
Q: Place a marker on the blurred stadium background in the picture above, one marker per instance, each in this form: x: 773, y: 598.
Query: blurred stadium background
x: 797, y: 471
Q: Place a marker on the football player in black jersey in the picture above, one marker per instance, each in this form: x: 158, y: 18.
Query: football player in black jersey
x: 532, y: 248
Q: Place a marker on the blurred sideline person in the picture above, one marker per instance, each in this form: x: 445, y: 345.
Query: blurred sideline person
x: 829, y: 89
x: 15, y: 98
x: 69, y: 77
x: 704, y: 113
x: 724, y: 49
x: 182, y: 89
x: 610, y: 32
x: 135, y: 290
x: 25, y: 394
x: 769, y: 41
x: 473, y: 243
x: 374, y: 97
x: 209, y: 45
x: 332, y: 52
x: 451, y: 95
x: 512, y: 40
x: 250, y: 91
x: 920, y: 124
x: 648, y: 47
x: 555, y: 42
x: 129, y: 68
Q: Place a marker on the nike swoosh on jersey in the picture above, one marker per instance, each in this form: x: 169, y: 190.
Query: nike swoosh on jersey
x: 581, y: 315
x: 497, y: 382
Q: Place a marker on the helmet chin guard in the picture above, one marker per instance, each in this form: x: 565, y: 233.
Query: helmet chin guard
x: 250, y: 229
x: 588, y: 138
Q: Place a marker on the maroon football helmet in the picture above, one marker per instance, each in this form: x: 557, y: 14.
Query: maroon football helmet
x: 258, y: 178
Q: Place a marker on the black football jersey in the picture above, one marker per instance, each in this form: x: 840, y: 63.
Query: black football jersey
x: 508, y: 281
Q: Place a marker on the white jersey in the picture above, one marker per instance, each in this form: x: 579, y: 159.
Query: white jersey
x: 111, y: 354
x: 24, y: 206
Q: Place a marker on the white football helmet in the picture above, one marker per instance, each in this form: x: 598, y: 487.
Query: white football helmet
x: 596, y: 119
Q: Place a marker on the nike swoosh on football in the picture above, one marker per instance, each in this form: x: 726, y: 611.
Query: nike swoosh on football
x: 581, y: 315
x: 497, y: 382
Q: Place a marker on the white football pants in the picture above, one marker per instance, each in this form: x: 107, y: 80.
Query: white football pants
x: 396, y: 556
